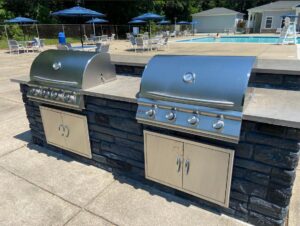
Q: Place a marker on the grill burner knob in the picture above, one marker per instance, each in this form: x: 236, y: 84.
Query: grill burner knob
x: 72, y: 99
x: 67, y: 97
x: 219, y: 124
x: 193, y: 120
x: 38, y: 92
x: 150, y: 113
x: 32, y: 92
x: 44, y: 92
x: 170, y: 116
x: 54, y: 95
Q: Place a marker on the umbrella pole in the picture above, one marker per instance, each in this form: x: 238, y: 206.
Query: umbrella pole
x: 101, y: 30
x: 94, y: 29
x: 80, y: 28
x: 37, y: 31
x: 6, y: 32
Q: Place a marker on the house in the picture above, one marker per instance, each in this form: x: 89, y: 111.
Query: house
x: 267, y: 18
x: 216, y: 20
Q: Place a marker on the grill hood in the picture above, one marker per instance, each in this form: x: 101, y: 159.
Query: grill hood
x: 212, y: 81
x: 71, y: 69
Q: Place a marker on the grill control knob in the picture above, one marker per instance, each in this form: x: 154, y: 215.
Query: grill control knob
x: 171, y: 116
x: 72, y: 99
x: 38, y: 92
x: 150, y: 113
x: 67, y: 97
x: 193, y: 120
x: 44, y: 92
x: 32, y: 92
x: 54, y: 95
x: 219, y: 124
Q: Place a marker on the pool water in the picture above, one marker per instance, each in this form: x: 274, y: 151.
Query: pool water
x: 236, y: 39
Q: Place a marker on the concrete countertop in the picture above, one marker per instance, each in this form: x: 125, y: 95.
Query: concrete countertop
x: 274, y: 66
x: 277, y: 107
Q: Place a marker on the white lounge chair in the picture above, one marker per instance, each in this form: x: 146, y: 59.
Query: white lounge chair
x: 14, y: 46
x: 278, y: 30
x: 173, y: 34
x: 112, y: 37
x: 142, y: 43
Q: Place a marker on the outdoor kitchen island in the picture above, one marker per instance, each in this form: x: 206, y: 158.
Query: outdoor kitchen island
x: 265, y: 158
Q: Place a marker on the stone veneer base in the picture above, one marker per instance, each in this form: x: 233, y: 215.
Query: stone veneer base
x: 264, y: 166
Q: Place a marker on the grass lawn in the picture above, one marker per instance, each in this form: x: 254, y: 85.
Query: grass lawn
x: 54, y: 41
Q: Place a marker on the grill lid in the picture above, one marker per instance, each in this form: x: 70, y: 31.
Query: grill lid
x: 74, y: 69
x: 213, y: 81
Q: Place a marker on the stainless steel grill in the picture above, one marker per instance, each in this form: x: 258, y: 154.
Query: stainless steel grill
x: 202, y: 95
x: 58, y: 76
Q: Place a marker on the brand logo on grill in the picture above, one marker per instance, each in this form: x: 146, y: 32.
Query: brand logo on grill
x: 189, y: 77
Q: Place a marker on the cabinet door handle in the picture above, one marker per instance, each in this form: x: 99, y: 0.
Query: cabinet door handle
x: 61, y: 129
x: 187, y: 166
x: 68, y: 131
x: 178, y: 163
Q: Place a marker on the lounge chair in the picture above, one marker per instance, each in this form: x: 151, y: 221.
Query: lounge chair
x: 14, y: 46
x: 142, y: 43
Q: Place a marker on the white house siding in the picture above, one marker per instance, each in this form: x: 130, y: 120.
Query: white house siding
x: 214, y: 24
x: 277, y: 18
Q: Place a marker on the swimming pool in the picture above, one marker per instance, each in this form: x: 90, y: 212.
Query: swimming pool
x: 236, y: 39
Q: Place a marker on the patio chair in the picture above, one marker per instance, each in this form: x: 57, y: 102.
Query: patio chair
x: 66, y: 46
x: 104, y: 48
x: 128, y: 35
x: 163, y: 43
x: 104, y: 38
x: 112, y: 37
x: 133, y: 42
x: 278, y: 30
x: 88, y: 41
x: 14, y: 46
x: 173, y: 34
x: 34, y: 45
x: 142, y: 43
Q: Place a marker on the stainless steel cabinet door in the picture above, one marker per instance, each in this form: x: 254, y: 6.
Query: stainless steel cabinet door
x: 76, y: 135
x: 207, y: 172
x: 163, y: 160
x: 53, y: 126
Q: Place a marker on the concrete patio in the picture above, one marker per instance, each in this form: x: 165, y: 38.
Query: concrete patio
x: 41, y: 187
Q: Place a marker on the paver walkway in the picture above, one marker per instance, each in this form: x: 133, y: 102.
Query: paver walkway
x: 40, y: 187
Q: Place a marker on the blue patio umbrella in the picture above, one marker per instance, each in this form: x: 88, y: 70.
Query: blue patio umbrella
x: 96, y: 21
x: 164, y: 22
x: 183, y: 22
x: 22, y: 20
x: 78, y: 11
x: 149, y: 17
x: 137, y: 22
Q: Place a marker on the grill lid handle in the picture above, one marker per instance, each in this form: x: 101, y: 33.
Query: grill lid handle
x: 218, y: 103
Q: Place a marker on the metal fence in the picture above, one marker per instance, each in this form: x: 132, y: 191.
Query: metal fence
x: 49, y: 32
